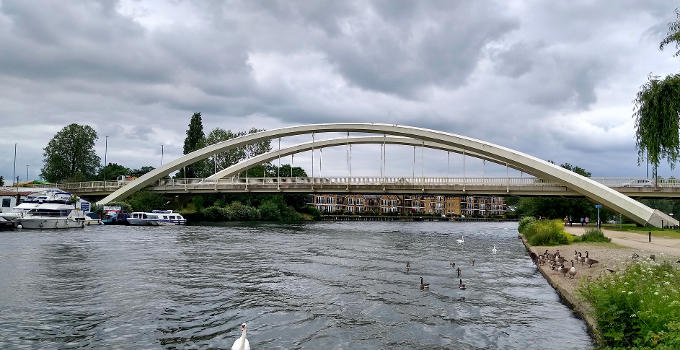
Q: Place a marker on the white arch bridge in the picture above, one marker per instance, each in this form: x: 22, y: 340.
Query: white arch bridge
x: 549, y: 179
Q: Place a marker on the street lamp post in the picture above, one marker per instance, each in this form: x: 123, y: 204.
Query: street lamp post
x: 14, y: 174
x: 27, y: 166
x: 106, y: 150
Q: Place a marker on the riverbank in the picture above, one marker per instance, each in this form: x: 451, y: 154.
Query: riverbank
x: 611, y: 257
x: 407, y: 218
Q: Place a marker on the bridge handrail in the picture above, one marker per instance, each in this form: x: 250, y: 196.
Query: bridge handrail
x: 106, y: 186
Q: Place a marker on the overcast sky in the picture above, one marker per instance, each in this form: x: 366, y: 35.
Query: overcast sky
x: 552, y: 79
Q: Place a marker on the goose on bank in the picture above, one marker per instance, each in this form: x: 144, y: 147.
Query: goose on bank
x: 589, y: 260
x: 241, y: 343
x: 563, y: 270
x: 572, y: 270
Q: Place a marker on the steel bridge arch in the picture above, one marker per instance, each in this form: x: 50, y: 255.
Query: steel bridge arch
x: 595, y: 191
x: 342, y: 141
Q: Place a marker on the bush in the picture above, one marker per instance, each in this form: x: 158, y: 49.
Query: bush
x: 594, y: 235
x: 289, y: 215
x: 269, y: 210
x: 240, y: 212
x: 215, y: 213
x: 546, y: 232
x: 639, y: 307
x: 315, y: 213
x: 524, y: 222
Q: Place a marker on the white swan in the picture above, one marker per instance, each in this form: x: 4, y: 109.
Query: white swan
x: 494, y: 250
x: 461, y: 240
x: 241, y: 343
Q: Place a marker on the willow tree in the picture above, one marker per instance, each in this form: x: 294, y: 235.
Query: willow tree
x: 656, y: 121
x: 673, y: 35
x: 656, y: 113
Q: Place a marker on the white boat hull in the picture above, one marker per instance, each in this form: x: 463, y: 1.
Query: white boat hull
x: 143, y: 222
x: 49, y: 223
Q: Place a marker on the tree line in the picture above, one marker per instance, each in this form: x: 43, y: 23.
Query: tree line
x: 70, y: 155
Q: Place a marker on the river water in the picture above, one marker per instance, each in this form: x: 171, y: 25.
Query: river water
x: 313, y: 286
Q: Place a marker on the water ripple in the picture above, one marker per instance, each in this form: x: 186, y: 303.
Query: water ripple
x: 321, y: 285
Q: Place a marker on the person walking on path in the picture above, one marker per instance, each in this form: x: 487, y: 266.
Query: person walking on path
x: 582, y: 221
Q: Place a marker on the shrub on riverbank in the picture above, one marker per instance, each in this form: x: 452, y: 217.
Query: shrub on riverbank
x: 544, y: 232
x: 523, y: 222
x: 594, y: 235
x: 639, y: 307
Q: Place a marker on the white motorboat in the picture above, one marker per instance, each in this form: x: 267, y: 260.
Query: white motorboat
x: 46, y: 210
x: 167, y: 217
x: 140, y: 218
x: 156, y: 218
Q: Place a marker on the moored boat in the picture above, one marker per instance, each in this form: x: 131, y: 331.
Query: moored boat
x: 140, y: 218
x: 168, y: 217
x: 156, y: 218
x: 47, y: 210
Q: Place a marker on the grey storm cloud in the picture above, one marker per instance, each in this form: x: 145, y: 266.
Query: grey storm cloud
x: 555, y: 80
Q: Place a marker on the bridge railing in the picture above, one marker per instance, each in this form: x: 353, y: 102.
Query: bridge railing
x: 108, y: 186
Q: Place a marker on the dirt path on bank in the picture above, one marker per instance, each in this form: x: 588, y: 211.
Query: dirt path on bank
x: 668, y: 246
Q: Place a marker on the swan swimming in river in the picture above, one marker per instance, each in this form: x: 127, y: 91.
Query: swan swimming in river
x: 241, y: 343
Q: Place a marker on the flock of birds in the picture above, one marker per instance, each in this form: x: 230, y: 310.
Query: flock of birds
x: 461, y: 285
x: 242, y: 343
x: 557, y: 261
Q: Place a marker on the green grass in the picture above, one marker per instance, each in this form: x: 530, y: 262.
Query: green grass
x: 594, y: 235
x: 639, y: 307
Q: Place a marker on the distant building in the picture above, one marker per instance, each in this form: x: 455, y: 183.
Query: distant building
x: 447, y: 205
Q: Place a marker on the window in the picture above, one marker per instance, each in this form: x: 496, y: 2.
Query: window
x: 6, y: 202
x: 360, y: 201
x: 350, y: 200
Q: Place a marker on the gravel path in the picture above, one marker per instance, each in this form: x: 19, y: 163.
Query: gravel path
x: 637, y: 241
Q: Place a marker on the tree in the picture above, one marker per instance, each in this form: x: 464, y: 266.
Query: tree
x: 656, y: 121
x: 2, y: 181
x: 235, y: 155
x: 257, y: 148
x: 285, y: 171
x: 230, y: 157
x: 657, y: 107
x: 70, y: 154
x: 673, y: 35
x: 112, y: 171
x: 195, y: 140
x: 576, y: 169
x: 141, y: 171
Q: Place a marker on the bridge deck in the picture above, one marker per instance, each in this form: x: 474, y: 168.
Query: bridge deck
x: 518, y: 186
